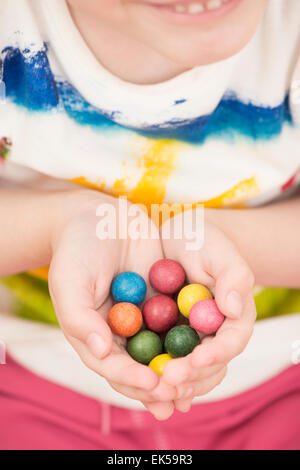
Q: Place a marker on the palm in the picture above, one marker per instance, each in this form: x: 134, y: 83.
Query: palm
x: 81, y: 274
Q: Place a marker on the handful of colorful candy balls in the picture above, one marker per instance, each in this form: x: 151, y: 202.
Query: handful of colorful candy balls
x: 158, y: 326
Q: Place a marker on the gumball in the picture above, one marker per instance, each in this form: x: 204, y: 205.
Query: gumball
x: 205, y: 316
x: 125, y: 319
x: 129, y: 287
x: 159, y: 362
x: 189, y: 295
x: 181, y: 341
x: 160, y: 313
x: 144, y: 346
x: 166, y: 276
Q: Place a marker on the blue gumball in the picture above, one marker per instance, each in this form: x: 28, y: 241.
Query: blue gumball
x: 129, y: 287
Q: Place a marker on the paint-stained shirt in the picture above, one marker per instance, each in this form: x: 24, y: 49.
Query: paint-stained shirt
x: 224, y: 134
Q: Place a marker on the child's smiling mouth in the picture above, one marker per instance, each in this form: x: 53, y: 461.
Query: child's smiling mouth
x: 195, y: 10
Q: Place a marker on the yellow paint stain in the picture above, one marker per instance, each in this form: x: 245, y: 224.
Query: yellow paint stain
x: 40, y: 273
x: 235, y: 197
x: 120, y: 186
x: 99, y: 185
x: 157, y: 161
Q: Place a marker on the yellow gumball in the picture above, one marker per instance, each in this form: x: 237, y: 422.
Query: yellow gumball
x: 189, y: 295
x: 159, y: 362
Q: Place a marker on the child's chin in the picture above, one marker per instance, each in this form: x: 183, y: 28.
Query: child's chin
x: 195, y: 58
x: 196, y: 51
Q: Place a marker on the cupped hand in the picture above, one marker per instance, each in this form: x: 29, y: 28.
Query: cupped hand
x: 219, y: 266
x: 81, y: 272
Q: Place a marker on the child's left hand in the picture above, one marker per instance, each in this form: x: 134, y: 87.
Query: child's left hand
x: 220, y: 267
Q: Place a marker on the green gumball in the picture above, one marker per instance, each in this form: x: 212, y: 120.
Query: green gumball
x: 144, y: 346
x: 181, y: 341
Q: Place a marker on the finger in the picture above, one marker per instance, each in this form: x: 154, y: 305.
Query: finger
x: 199, y: 374
x: 185, y: 391
x: 73, y: 296
x: 162, y: 393
x: 161, y: 411
x: 200, y: 389
x: 118, y: 367
x: 232, y: 288
x: 179, y: 371
x: 230, y: 341
x: 207, y: 385
x: 183, y: 405
x: 234, y: 279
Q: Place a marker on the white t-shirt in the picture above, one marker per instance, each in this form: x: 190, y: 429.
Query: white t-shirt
x: 226, y: 132
x: 223, y: 134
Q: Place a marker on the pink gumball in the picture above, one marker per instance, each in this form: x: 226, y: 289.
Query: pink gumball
x: 205, y: 317
x: 167, y: 276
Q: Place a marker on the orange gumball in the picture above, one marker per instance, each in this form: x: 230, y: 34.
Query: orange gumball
x: 125, y: 319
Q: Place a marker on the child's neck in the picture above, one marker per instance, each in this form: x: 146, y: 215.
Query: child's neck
x: 122, y: 55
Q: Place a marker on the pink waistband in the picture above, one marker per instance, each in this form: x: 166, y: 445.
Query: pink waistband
x: 18, y: 382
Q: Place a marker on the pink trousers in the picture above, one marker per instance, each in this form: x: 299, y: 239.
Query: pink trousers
x: 38, y: 414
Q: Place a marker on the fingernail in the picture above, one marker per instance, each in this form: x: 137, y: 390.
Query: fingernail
x: 96, y: 345
x: 234, y: 303
x: 186, y: 407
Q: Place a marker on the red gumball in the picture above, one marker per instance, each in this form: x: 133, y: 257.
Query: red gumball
x: 205, y: 317
x: 167, y: 276
x: 160, y: 313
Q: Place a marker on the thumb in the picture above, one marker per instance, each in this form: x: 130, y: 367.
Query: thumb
x: 233, y: 278
x: 219, y: 266
x: 232, y: 288
x: 74, y: 302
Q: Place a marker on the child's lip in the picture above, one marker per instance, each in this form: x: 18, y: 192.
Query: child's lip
x: 167, y: 8
x: 171, y: 2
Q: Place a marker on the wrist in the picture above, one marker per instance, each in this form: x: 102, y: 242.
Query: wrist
x: 234, y: 223
x: 68, y: 204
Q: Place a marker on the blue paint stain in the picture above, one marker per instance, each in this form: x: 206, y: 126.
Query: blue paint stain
x: 231, y: 118
x: 83, y: 112
x: 29, y: 79
x: 30, y: 83
x: 179, y: 102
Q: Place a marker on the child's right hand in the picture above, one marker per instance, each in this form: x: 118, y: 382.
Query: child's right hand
x: 81, y: 273
x: 218, y: 265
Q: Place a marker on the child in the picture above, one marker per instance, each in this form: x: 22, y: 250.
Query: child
x: 161, y: 101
